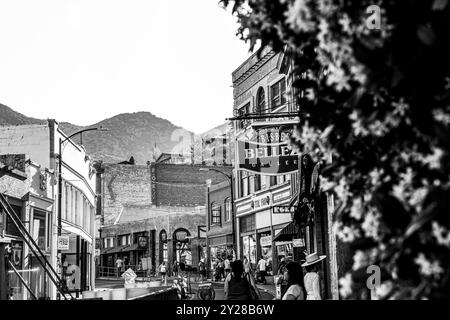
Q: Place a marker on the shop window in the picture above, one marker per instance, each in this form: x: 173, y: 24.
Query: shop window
x: 41, y: 229
x: 108, y: 242
x: 228, y: 209
x: 245, y: 184
x: 272, y: 181
x: 125, y: 239
x: 249, y: 249
x: 182, y: 247
x: 278, y: 94
x: 10, y: 227
x: 257, y: 180
x: 215, y: 214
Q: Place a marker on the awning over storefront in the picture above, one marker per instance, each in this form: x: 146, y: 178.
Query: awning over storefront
x: 105, y: 250
x: 132, y: 247
x: 287, y: 233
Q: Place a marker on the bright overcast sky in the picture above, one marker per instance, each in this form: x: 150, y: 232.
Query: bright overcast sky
x: 82, y: 61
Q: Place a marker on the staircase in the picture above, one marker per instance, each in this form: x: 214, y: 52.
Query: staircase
x: 34, y: 248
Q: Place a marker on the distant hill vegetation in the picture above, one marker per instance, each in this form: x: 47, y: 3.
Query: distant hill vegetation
x: 129, y: 134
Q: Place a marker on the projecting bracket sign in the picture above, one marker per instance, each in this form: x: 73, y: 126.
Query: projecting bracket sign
x: 284, y: 209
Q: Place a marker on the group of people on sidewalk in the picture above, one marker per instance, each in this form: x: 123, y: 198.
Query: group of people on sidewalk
x: 241, y: 285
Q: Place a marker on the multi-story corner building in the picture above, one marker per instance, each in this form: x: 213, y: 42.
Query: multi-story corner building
x: 269, y: 191
x: 263, y: 109
x: 74, y: 262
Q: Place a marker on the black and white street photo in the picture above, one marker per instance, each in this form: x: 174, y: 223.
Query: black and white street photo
x: 249, y: 151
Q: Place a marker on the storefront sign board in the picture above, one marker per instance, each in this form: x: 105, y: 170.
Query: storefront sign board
x: 63, y: 242
x: 298, y: 243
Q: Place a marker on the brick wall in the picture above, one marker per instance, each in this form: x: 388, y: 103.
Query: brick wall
x: 217, y: 194
x: 184, y: 185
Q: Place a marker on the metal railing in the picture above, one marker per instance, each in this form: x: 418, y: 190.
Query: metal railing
x: 34, y: 248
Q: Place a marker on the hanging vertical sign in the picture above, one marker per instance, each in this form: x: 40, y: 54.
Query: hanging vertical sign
x: 153, y: 182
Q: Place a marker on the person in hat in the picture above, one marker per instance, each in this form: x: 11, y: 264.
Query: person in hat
x: 312, y: 279
x: 293, y: 274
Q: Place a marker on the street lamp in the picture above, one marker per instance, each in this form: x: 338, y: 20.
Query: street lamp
x: 60, y: 178
x: 230, y: 181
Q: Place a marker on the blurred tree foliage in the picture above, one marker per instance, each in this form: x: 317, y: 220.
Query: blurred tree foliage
x: 379, y: 102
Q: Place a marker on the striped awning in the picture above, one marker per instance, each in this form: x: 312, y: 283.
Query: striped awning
x: 288, y: 232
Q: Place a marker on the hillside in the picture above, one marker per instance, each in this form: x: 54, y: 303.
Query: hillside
x: 129, y: 134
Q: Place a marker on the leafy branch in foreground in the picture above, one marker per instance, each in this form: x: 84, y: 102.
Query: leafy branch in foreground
x: 379, y: 102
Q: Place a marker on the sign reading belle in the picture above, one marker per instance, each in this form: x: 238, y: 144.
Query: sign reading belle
x: 268, y: 158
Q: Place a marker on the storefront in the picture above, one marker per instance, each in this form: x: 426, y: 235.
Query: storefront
x: 76, y: 263
x: 221, y: 247
x: 249, y: 249
x: 290, y: 243
x: 182, y: 246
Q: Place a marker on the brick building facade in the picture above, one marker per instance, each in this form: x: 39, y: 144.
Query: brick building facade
x: 162, y: 202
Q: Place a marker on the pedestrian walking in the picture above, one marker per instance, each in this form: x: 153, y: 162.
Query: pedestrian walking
x: 175, y: 268
x: 312, y: 279
x: 162, y: 270
x: 293, y: 275
x: 221, y: 269
x: 262, y: 270
x: 238, y: 284
x: 119, y: 265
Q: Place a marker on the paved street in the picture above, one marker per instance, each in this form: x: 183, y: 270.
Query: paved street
x: 267, y: 292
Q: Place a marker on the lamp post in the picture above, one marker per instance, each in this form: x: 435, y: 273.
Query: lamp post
x: 230, y: 181
x: 60, y: 181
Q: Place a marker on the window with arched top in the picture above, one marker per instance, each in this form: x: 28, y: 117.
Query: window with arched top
x: 163, y: 250
x: 260, y: 101
x: 163, y: 236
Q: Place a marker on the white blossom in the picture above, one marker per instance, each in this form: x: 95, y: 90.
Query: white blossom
x: 299, y: 16
x: 383, y: 290
x: 433, y: 161
x: 348, y: 234
x: 441, y: 234
x: 345, y: 285
x: 417, y: 197
x: 356, y: 209
x: 360, y: 259
x: 371, y: 225
x: 427, y: 267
